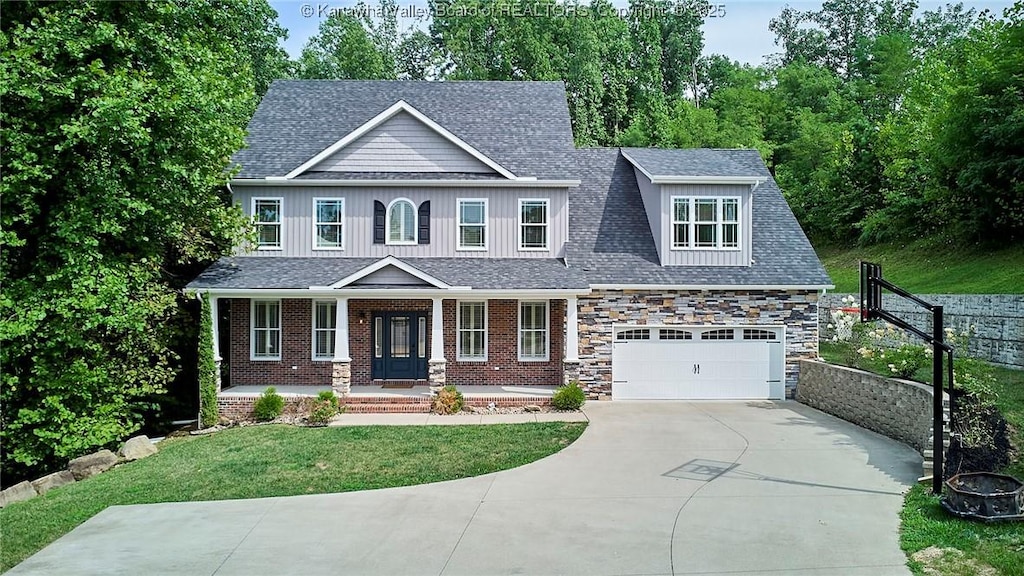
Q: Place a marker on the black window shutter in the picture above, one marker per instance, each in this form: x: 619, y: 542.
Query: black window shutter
x: 424, y: 218
x: 378, y: 222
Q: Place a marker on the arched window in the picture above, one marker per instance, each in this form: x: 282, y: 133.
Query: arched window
x: 401, y: 222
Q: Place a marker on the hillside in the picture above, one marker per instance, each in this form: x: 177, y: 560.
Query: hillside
x: 923, y: 268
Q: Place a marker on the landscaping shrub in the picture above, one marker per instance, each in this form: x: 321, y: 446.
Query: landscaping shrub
x: 448, y: 401
x: 208, y: 414
x: 324, y: 407
x: 269, y: 405
x: 569, y: 397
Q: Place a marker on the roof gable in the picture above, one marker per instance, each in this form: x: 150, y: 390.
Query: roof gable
x: 412, y: 141
x: 390, y: 271
x: 523, y: 127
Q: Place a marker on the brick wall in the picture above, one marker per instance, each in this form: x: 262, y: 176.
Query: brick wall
x: 503, y: 365
x: 296, y: 366
x: 797, y: 310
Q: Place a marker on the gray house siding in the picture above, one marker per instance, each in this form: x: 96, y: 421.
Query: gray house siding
x: 401, y: 144
x: 502, y: 217
x: 698, y: 257
x: 651, y: 195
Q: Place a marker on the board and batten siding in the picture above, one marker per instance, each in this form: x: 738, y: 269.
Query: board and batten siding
x: 651, y: 195
x: 502, y: 220
x: 705, y: 257
x: 402, y: 144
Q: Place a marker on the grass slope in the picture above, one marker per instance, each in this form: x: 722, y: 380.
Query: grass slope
x: 263, y: 461
x: 925, y: 268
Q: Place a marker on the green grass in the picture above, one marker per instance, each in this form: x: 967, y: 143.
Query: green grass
x: 263, y: 461
x: 924, y: 523
x: 924, y: 267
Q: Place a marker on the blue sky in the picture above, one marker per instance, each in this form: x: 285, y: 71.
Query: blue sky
x: 741, y: 33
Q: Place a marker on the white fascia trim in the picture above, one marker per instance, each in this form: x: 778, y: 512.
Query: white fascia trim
x: 390, y: 261
x: 400, y: 106
x: 519, y: 183
x: 670, y: 179
x: 694, y: 287
x: 324, y: 292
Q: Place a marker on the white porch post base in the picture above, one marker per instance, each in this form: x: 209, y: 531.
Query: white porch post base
x: 570, y: 372
x: 438, y: 372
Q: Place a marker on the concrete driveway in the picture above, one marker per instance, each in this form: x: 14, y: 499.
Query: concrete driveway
x: 650, y: 488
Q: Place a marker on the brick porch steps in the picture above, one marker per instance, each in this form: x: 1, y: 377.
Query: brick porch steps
x: 421, y: 405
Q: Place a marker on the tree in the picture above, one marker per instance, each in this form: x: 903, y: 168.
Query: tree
x: 343, y: 49
x: 117, y: 123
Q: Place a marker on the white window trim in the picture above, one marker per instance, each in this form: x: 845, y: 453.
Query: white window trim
x: 313, y: 330
x: 459, y: 329
x: 547, y: 225
x: 547, y: 331
x: 458, y: 226
x: 691, y: 224
x: 415, y: 224
x: 316, y: 223
x: 280, y: 222
x: 252, y: 331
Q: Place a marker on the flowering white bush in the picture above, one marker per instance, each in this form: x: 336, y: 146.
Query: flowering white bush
x: 843, y: 321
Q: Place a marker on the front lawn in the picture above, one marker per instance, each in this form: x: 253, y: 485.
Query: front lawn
x: 924, y: 523
x: 262, y: 461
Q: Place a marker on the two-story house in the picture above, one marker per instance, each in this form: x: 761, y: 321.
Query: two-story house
x: 450, y: 232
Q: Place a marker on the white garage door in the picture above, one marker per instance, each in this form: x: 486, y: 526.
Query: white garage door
x: 697, y: 363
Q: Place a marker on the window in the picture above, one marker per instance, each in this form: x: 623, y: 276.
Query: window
x: 472, y: 322
x: 634, y: 334
x: 266, y: 330
x: 533, y: 224
x: 720, y: 334
x: 266, y: 215
x: 705, y: 223
x: 674, y: 334
x: 472, y: 224
x: 758, y: 334
x: 533, y: 331
x: 401, y: 222
x: 324, y: 322
x: 328, y: 230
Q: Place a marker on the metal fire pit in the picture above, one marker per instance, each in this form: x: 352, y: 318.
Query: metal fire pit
x: 984, y: 496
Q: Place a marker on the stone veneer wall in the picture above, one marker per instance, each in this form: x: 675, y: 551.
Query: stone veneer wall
x: 598, y: 311
x: 899, y: 409
x: 998, y: 320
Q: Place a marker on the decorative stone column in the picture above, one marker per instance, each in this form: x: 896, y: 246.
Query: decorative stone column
x: 571, y: 359
x: 438, y: 365
x: 341, y: 368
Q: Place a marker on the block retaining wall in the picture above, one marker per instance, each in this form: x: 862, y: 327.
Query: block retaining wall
x: 998, y: 320
x: 899, y: 409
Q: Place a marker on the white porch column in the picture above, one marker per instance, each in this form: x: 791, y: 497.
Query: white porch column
x: 215, y: 334
x: 437, y: 332
x: 572, y: 331
x: 215, y: 329
x: 341, y: 353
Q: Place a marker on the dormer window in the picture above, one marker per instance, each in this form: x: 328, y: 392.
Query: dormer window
x: 705, y: 223
x: 401, y: 222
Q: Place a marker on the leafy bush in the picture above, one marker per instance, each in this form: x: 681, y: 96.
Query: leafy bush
x: 448, y: 401
x: 269, y: 405
x: 323, y: 408
x: 569, y: 397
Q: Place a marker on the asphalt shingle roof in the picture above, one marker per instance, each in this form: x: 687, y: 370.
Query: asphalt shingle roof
x: 523, y: 126
x: 274, y: 272
x: 611, y: 242
x: 694, y: 162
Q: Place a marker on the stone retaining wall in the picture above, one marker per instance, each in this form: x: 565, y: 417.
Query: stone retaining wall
x: 998, y: 320
x: 899, y: 409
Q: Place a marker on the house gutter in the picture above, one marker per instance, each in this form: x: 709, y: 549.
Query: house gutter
x: 447, y: 183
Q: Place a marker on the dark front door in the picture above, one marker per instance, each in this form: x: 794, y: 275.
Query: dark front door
x: 399, y: 346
